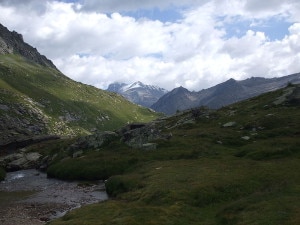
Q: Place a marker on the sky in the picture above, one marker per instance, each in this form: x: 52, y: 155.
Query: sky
x: 169, y: 43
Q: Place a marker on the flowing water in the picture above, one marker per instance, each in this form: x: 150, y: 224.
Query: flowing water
x: 43, y: 198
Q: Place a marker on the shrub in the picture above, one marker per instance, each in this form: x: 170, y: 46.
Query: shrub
x: 117, y: 185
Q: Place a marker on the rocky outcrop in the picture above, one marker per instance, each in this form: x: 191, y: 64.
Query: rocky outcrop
x: 20, y: 160
x: 12, y: 42
x: 141, y: 135
x: 12, y: 145
x: 20, y: 121
x: 93, y: 141
x: 291, y: 96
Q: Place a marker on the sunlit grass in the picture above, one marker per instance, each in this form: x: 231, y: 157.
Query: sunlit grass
x: 57, y: 96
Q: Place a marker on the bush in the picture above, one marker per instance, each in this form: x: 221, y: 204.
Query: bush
x: 117, y: 185
x: 95, y: 166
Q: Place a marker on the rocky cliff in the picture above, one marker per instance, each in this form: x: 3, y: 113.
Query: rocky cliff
x: 13, y: 43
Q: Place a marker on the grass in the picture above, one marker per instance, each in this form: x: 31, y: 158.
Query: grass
x: 205, y: 174
x: 199, y: 192
x: 58, y: 98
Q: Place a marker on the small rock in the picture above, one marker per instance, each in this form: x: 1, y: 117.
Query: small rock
x: 44, y: 219
x: 229, y: 124
x: 149, y: 146
x: 246, y: 138
x: 33, y: 156
x: 269, y: 115
x: 4, y: 107
x: 77, y: 154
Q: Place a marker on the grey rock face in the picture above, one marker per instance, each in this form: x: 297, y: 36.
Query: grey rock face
x: 93, y: 141
x: 141, y: 135
x: 12, y: 42
x: 20, y: 161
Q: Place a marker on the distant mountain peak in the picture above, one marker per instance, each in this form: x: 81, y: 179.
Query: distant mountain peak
x: 138, y: 92
x: 12, y: 42
x: 179, y: 90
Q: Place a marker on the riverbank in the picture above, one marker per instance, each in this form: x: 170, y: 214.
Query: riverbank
x: 28, y: 197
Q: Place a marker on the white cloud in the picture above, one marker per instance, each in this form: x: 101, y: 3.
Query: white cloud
x: 195, y: 51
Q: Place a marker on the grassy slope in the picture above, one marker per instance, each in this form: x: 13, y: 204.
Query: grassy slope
x: 205, y: 174
x: 56, y: 95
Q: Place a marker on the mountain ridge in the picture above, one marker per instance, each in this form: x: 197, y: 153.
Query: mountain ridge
x: 13, y: 43
x: 222, y: 94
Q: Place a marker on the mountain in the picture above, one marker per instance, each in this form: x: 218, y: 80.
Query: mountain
x: 37, y: 99
x: 178, y: 99
x: 223, y: 94
x: 137, y: 92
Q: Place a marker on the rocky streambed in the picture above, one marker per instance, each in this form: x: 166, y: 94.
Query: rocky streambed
x: 29, y: 197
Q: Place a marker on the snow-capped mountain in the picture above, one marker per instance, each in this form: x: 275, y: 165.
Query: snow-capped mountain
x: 137, y: 92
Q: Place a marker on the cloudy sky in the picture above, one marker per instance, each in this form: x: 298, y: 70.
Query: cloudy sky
x: 191, y: 43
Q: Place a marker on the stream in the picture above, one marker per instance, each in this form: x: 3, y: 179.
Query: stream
x: 29, y: 197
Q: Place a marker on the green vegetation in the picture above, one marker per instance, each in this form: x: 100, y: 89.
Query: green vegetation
x: 65, y: 106
x: 2, y: 174
x: 205, y: 174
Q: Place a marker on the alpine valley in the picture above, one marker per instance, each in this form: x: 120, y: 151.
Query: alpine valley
x: 237, y: 164
x: 37, y: 99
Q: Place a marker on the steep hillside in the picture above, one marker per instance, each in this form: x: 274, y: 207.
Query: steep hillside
x: 37, y: 99
x: 223, y: 94
x: 13, y: 43
x: 137, y: 92
x: 236, y: 165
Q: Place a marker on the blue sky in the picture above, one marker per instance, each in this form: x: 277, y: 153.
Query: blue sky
x: 170, y: 43
x: 170, y: 14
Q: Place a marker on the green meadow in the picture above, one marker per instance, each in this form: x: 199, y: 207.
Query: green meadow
x: 206, y: 173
